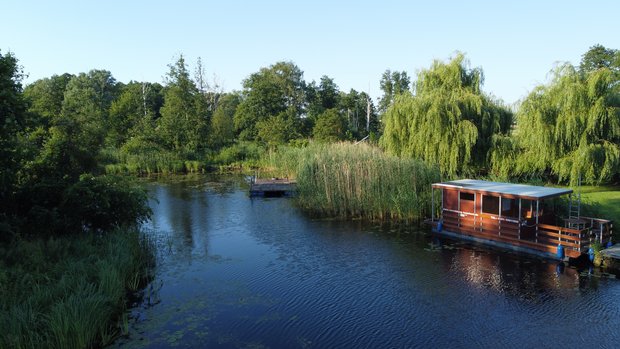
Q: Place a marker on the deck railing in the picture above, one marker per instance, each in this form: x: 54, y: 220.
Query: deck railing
x: 544, y: 237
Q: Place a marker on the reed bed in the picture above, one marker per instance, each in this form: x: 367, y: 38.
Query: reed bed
x: 149, y: 163
x: 70, y: 292
x: 357, y: 181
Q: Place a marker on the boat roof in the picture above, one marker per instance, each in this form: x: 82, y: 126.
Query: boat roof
x: 531, y: 192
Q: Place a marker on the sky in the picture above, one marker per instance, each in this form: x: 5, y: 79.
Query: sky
x: 516, y: 43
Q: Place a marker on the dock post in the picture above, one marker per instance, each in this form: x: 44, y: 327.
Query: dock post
x: 499, y: 221
x: 519, y: 218
x: 432, y: 205
x: 537, y: 213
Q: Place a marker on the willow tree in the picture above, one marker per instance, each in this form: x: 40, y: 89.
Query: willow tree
x: 570, y: 127
x: 447, y: 120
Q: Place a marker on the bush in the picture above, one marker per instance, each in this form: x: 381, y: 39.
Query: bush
x: 103, y: 202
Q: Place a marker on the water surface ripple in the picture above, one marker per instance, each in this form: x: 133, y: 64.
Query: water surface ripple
x: 240, y: 272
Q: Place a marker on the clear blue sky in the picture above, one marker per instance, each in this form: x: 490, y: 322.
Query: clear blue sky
x: 353, y: 42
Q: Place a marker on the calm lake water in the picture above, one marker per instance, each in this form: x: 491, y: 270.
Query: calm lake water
x: 240, y: 272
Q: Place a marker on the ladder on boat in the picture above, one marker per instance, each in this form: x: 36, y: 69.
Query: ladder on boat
x: 574, y: 204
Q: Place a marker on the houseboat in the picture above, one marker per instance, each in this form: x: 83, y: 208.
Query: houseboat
x: 523, y: 218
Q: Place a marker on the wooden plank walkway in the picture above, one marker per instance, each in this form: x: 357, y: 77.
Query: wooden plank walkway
x: 273, y: 187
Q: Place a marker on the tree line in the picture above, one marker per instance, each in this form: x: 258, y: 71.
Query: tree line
x: 563, y: 131
x: 56, y: 130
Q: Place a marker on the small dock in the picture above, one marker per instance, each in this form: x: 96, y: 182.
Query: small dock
x: 273, y: 187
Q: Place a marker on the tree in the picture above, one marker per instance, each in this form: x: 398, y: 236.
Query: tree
x: 448, y: 121
x: 46, y: 95
x: 138, y: 104
x: 600, y: 57
x: 569, y: 127
x: 278, y: 129
x: 70, y: 146
x: 222, y: 125
x: 267, y: 94
x: 392, y: 84
x: 183, y: 124
x: 12, y: 118
x: 330, y: 127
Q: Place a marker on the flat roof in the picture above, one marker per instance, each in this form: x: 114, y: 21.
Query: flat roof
x: 522, y: 190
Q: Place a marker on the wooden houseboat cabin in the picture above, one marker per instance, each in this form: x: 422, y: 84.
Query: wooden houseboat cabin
x: 516, y: 216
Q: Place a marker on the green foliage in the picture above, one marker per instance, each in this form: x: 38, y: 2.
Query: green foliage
x: 137, y: 101
x: 600, y: 57
x: 248, y: 153
x: 69, y: 292
x: 149, y: 162
x: 12, y: 118
x: 222, y: 124
x: 47, y: 95
x: 349, y: 180
x: 267, y: 94
x: 104, y: 202
x: 448, y: 121
x: 330, y: 127
x: 278, y: 129
x: 392, y: 84
x: 571, y: 128
x: 184, y: 123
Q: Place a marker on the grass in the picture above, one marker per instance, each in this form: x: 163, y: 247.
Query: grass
x: 70, y: 292
x: 235, y: 156
x: 602, y: 202
x: 357, y: 181
x: 150, y: 163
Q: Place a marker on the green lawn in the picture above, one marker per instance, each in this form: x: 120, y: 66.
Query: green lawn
x: 602, y: 202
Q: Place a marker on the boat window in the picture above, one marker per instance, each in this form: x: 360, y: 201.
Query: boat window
x: 467, y: 196
x: 490, y: 204
x: 510, y: 207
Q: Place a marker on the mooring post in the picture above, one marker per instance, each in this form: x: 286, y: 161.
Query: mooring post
x: 432, y: 205
x: 519, y: 219
x: 537, y: 213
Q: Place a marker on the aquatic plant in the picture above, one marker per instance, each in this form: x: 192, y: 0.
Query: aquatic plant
x: 361, y: 181
x: 70, y: 292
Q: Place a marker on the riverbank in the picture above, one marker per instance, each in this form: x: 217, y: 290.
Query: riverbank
x: 70, y: 291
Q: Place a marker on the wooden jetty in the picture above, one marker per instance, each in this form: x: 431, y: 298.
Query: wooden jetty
x: 517, y: 217
x: 272, y: 187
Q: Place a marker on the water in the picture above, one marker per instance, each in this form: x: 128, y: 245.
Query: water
x: 240, y: 272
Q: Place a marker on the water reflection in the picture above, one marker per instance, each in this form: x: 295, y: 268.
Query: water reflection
x: 236, y: 271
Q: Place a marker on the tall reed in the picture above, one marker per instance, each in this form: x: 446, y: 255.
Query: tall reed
x: 359, y: 180
x: 69, y: 292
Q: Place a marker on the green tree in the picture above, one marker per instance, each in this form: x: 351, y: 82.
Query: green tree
x: 569, y: 127
x: 74, y: 138
x: 12, y: 118
x: 278, y: 129
x: 46, y: 95
x: 392, y: 84
x: 599, y: 57
x: 137, y: 101
x: 183, y: 124
x: 222, y: 125
x: 448, y: 121
x: 268, y: 93
x: 330, y: 127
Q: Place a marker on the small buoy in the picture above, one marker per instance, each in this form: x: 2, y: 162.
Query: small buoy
x: 439, y: 226
x: 560, y: 252
x: 609, y: 244
x: 591, y: 254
